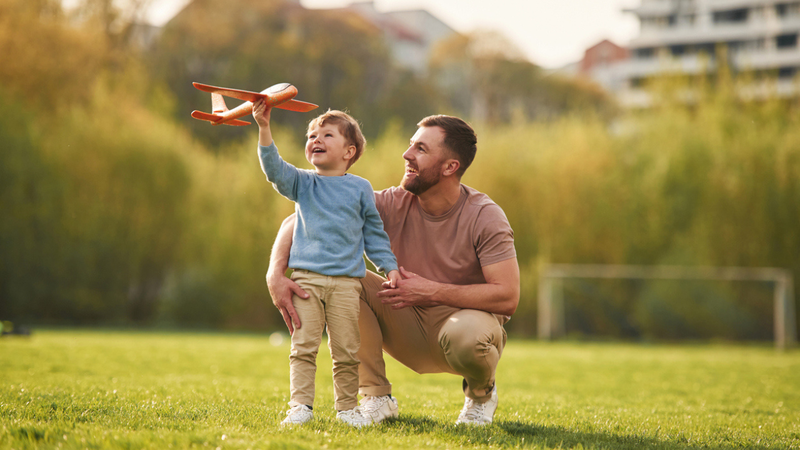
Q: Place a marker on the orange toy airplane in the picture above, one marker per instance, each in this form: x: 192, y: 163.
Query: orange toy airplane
x: 277, y: 96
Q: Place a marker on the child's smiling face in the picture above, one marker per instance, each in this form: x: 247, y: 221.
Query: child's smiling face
x: 327, y: 149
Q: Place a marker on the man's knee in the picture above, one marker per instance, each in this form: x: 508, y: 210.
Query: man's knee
x: 470, y: 334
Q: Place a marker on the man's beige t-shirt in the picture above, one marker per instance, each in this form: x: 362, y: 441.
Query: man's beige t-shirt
x: 451, y: 248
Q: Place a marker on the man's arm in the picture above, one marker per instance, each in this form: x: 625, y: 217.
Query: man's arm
x: 280, y: 287
x: 500, y: 294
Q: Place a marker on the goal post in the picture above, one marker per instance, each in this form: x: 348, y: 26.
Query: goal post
x: 551, y: 320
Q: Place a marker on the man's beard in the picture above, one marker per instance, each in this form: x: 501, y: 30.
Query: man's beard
x: 424, y: 180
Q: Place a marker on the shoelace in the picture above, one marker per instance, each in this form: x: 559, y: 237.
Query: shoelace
x: 294, y: 409
x: 372, y: 404
x: 354, y: 416
x: 473, y: 410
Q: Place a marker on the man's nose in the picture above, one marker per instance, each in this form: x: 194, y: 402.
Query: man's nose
x: 407, y: 155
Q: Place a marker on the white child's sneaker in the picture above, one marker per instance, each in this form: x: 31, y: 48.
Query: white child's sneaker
x: 353, y: 418
x: 298, y: 415
x: 480, y: 414
x: 378, y: 408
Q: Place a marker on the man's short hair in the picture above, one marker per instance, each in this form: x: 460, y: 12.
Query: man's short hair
x: 459, y: 138
x: 348, y: 126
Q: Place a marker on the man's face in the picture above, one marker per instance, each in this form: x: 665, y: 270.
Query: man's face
x: 424, y: 160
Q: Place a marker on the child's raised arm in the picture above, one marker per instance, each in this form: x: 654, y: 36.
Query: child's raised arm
x: 261, y: 114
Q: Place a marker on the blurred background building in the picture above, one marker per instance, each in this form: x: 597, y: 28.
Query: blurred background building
x: 695, y: 37
x: 410, y: 34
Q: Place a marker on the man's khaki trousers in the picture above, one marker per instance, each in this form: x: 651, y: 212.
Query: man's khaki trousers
x: 333, y: 301
x: 435, y: 339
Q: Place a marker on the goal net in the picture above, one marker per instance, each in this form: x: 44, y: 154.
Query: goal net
x: 665, y: 298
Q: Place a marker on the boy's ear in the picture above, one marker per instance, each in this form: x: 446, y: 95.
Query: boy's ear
x: 350, y: 153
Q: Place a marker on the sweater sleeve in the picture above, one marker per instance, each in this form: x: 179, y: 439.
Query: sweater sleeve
x: 283, y: 176
x: 376, y: 242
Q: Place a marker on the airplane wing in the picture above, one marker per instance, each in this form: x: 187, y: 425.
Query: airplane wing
x: 297, y: 105
x: 233, y: 93
x: 215, y: 119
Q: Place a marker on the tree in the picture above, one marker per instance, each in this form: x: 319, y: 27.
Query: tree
x: 485, y: 77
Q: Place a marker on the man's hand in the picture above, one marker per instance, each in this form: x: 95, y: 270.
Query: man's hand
x: 281, y: 290
x: 412, y: 290
x: 499, y: 295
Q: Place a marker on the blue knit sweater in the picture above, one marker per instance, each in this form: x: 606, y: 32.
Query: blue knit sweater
x: 337, y: 220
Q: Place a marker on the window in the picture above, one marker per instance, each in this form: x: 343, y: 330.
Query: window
x: 644, y: 53
x: 786, y: 41
x: 707, y: 49
x: 737, y: 46
x: 784, y: 10
x: 672, y: 20
x: 787, y: 72
x: 677, y: 50
x: 731, y: 16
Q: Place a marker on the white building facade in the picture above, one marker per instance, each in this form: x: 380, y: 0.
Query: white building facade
x: 685, y: 36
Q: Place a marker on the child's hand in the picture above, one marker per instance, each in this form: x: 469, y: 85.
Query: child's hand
x: 261, y: 113
x: 394, y: 277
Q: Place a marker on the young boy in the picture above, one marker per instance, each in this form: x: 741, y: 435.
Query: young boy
x: 337, y: 221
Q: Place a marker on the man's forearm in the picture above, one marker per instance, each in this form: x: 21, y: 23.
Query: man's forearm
x: 279, y: 258
x: 499, y: 295
x: 495, y: 299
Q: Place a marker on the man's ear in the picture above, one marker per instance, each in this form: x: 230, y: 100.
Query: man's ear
x: 451, y: 167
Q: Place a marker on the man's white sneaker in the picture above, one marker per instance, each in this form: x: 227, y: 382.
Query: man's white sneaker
x: 378, y: 408
x: 480, y: 414
x: 298, y: 415
x: 353, y: 418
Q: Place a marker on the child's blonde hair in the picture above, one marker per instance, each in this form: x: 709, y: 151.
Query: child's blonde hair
x: 348, y: 126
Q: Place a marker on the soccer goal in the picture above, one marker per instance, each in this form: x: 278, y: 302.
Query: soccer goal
x: 551, y: 320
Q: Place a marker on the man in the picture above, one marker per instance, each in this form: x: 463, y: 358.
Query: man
x: 460, y: 277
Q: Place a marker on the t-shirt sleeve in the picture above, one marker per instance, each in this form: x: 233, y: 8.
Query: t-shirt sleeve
x: 382, y: 200
x: 493, y: 236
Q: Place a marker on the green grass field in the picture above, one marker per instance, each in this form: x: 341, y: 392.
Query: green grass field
x: 130, y: 390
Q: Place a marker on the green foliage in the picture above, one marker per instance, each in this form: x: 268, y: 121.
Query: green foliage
x: 30, y: 187
x: 74, y: 389
x: 41, y: 52
x: 114, y: 213
x: 484, y: 77
x: 108, y: 188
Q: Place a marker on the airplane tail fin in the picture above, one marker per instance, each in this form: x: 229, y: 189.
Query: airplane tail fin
x: 213, y: 118
x: 218, y: 105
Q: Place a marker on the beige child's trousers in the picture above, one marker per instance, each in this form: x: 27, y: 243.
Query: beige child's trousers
x: 333, y: 301
x: 464, y: 342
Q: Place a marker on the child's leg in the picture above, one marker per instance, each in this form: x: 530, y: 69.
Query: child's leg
x: 341, y: 312
x: 306, y: 339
